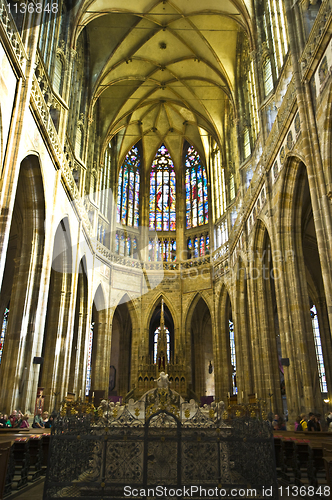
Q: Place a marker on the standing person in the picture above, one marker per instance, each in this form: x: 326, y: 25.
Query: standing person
x: 297, y: 423
x: 329, y: 419
x: 318, y: 424
x: 303, y: 426
x: 312, y: 422
x: 38, y: 422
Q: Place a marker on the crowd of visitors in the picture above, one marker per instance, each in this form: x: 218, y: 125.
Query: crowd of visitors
x: 19, y: 420
x: 302, y: 423
x: 310, y: 424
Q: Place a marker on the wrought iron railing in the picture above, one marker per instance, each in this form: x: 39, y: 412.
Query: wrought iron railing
x: 105, y: 454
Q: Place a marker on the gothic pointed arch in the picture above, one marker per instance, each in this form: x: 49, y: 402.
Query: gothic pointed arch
x: 53, y: 373
x: 96, y: 346
x: 80, y: 331
x: 124, y: 325
x: 161, y: 313
x: 201, y: 352
x: 303, y: 270
x: 20, y: 285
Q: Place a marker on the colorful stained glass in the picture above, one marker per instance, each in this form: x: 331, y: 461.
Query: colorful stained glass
x: 233, y: 355
x: 135, y: 248
x: 151, y: 250
x: 197, y: 209
x: 162, y: 215
x: 196, y: 250
x: 207, y: 245
x: 116, y: 242
x: 3, y: 330
x: 128, y: 246
x: 202, y: 246
x: 128, y: 189
x: 122, y: 245
x: 89, y: 364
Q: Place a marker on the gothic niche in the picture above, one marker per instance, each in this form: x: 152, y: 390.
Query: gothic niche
x: 161, y: 354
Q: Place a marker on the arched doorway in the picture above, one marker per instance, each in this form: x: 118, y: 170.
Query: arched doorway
x: 120, y: 364
x: 53, y: 373
x: 202, y: 360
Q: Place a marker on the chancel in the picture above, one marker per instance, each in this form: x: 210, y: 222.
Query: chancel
x: 166, y: 187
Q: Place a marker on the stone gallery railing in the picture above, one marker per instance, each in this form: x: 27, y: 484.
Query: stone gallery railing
x: 10, y: 31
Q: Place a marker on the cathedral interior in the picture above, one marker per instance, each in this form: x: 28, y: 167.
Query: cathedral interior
x: 166, y: 187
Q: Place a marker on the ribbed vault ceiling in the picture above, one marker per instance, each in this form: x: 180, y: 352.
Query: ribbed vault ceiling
x: 163, y: 71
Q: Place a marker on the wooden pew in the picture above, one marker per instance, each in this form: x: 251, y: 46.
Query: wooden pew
x: 4, y: 459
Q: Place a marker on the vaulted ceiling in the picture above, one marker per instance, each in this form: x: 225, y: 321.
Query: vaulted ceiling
x: 163, y: 71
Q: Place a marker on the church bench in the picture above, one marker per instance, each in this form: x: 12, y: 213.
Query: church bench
x: 300, y: 456
x: 36, y: 456
x: 4, y: 459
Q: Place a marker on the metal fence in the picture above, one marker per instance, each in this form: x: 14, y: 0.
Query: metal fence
x: 108, y: 457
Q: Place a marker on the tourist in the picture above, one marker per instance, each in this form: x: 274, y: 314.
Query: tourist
x: 312, y: 422
x: 46, y: 419
x: 303, y: 426
x: 318, y: 423
x: 25, y: 423
x: 38, y: 422
x: 297, y: 423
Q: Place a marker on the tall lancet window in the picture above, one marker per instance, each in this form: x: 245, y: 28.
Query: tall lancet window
x: 3, y: 330
x: 233, y: 355
x: 197, y: 210
x: 155, y: 343
x: 89, y: 367
x: 128, y: 189
x: 318, y: 348
x: 162, y: 192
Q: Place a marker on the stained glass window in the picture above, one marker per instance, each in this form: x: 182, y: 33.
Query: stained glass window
x: 89, y: 366
x: 128, y: 189
x: 207, y: 245
x: 116, y: 242
x: 135, y: 248
x: 162, y: 249
x: 189, y: 247
x: 233, y: 355
x: 219, y: 185
x: 162, y: 192
x: 3, y: 330
x: 155, y: 344
x: 197, y: 211
x: 128, y: 245
x: 122, y: 244
x: 202, y: 246
x: 318, y: 348
x: 105, y: 182
x: 196, y: 250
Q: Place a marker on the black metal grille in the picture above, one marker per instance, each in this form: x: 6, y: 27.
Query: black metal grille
x: 96, y: 457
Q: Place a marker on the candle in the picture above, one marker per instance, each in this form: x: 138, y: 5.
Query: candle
x: 242, y: 394
x: 93, y: 395
x: 256, y: 395
x: 80, y: 394
x: 228, y: 394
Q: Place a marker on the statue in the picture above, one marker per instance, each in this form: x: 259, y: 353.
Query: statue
x: 162, y: 381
